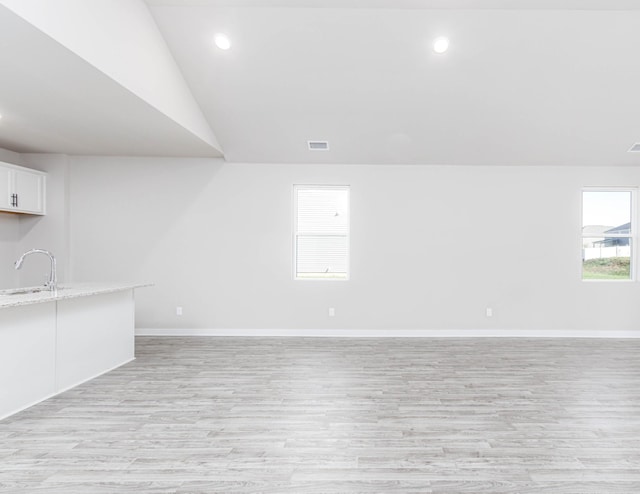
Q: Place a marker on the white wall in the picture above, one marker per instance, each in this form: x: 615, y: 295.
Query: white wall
x: 21, y: 232
x: 431, y: 246
x: 9, y: 236
x: 9, y: 233
x: 120, y: 38
x: 50, y: 232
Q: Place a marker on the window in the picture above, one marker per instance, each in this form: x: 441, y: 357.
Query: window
x: 321, y: 232
x: 608, y: 234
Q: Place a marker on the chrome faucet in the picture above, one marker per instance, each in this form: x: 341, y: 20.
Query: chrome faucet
x: 52, y: 284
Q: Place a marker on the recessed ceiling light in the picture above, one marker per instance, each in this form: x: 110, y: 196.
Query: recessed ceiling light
x: 440, y: 45
x: 222, y: 41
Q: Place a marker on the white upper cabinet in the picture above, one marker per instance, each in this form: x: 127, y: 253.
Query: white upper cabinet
x: 6, y: 188
x: 22, y: 190
x: 29, y: 190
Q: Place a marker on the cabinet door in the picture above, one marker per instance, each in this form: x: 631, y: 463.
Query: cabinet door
x: 30, y: 189
x: 6, y: 188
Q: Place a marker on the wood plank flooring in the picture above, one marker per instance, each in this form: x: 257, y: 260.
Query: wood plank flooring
x: 305, y: 415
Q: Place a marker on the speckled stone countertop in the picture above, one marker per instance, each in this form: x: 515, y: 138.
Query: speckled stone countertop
x: 9, y: 298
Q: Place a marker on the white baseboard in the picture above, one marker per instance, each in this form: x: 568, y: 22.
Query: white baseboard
x: 388, y: 333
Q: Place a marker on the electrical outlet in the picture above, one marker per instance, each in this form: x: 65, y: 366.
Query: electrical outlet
x: 489, y: 312
x: 178, y: 311
x: 332, y: 312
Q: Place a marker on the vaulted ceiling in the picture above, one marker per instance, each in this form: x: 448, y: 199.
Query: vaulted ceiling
x: 524, y: 82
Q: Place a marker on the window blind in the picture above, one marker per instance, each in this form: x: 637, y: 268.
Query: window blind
x: 321, y: 232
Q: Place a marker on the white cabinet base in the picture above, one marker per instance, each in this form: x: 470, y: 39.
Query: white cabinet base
x: 95, y: 334
x: 27, y: 356
x: 47, y: 348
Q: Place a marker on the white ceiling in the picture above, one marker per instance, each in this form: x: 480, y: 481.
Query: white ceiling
x: 52, y: 100
x: 417, y: 4
x: 535, y: 82
x: 516, y: 87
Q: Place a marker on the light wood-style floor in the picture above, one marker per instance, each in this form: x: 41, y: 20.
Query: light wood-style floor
x: 303, y: 415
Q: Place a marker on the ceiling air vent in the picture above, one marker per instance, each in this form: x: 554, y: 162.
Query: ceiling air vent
x: 635, y: 148
x: 318, y: 145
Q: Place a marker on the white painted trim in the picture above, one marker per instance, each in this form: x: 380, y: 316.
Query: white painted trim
x: 633, y: 269
x: 395, y: 333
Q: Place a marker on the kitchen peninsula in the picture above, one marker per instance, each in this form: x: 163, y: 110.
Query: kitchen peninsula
x: 53, y: 340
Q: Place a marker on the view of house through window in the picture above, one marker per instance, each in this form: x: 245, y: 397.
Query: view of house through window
x: 607, y: 234
x: 321, y: 232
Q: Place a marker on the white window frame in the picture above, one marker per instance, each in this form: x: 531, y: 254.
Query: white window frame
x: 296, y: 187
x: 632, y: 238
